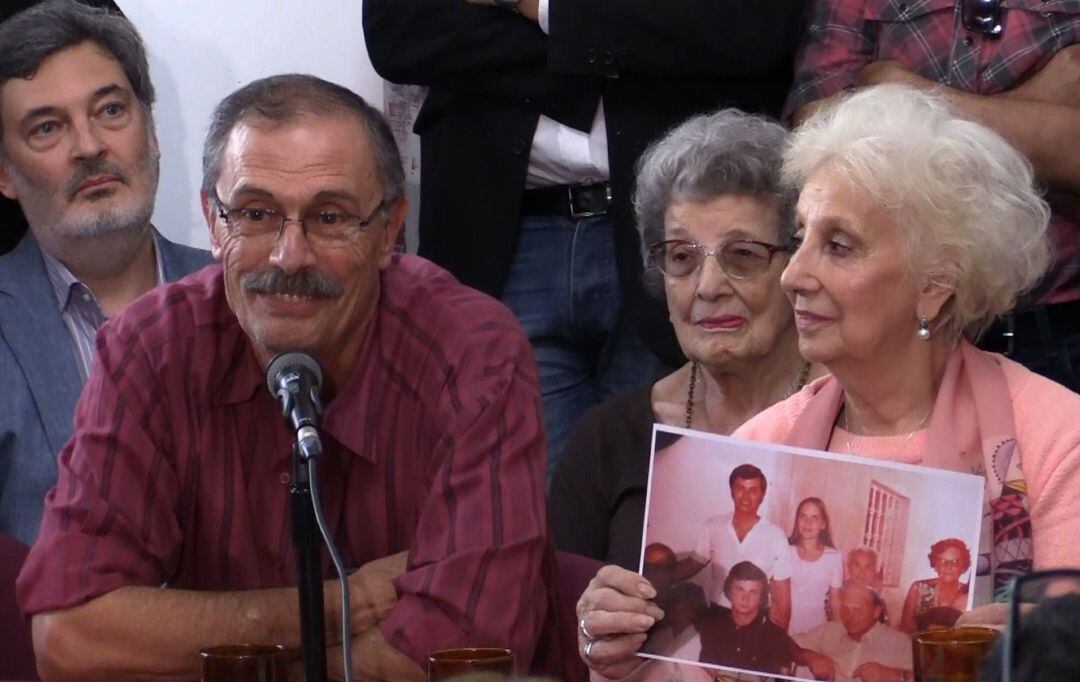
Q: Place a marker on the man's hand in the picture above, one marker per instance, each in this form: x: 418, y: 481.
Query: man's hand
x: 1052, y: 100
x: 530, y: 9
x: 875, y: 672
x: 371, y: 590
x: 874, y: 73
x: 888, y: 71
x: 373, y: 660
x: 821, y: 666
x: 1057, y: 83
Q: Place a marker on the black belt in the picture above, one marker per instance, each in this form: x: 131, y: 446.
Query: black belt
x: 573, y: 201
x: 1043, y: 326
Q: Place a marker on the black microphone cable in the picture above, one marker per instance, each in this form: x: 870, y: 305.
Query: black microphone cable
x: 287, y: 375
x: 339, y: 565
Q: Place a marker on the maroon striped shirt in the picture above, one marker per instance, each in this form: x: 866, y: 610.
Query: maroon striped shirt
x: 179, y: 467
x: 929, y: 38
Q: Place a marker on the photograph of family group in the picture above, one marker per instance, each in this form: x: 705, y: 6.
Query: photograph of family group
x: 802, y: 564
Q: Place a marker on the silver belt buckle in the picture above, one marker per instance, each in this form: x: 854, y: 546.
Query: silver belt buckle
x: 575, y: 213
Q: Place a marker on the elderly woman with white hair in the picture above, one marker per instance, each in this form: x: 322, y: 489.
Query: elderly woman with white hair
x: 917, y: 229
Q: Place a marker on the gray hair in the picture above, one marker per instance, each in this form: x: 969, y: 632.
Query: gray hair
x: 286, y: 98
x: 964, y: 199
x: 708, y: 156
x: 30, y: 37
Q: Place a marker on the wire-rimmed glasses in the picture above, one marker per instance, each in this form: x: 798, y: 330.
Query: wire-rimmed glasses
x: 326, y: 226
x: 738, y: 258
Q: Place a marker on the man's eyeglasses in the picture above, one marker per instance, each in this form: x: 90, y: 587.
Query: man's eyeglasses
x: 982, y: 16
x: 325, y: 227
x: 1057, y: 589
x: 739, y: 259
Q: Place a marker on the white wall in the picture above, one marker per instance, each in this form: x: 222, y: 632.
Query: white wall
x: 201, y: 50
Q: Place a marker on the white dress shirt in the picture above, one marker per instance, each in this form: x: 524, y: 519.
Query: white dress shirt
x: 881, y: 644
x: 765, y: 546
x: 562, y: 155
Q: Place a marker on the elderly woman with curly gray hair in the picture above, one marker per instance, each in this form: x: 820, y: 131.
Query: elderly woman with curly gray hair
x: 716, y: 225
x: 916, y: 228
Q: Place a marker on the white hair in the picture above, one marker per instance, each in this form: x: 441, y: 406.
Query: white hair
x: 864, y: 549
x: 965, y: 200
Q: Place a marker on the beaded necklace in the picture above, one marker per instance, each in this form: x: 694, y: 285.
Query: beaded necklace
x: 796, y: 383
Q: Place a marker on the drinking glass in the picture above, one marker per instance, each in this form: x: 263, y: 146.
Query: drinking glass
x: 481, y: 663
x: 951, y: 654
x: 245, y: 663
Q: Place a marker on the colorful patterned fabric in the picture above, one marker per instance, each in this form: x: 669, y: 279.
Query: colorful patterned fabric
x: 928, y: 612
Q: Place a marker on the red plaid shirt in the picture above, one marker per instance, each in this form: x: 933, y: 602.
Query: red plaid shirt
x: 929, y: 38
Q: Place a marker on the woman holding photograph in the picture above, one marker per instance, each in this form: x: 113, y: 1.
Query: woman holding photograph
x: 716, y: 224
x: 917, y: 229
x: 714, y: 219
x: 938, y: 602
x: 817, y: 567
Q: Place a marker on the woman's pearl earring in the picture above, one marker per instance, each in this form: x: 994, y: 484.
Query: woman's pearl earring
x: 924, y: 329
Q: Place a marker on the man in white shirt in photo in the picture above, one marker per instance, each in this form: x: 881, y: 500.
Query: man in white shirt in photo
x: 744, y: 535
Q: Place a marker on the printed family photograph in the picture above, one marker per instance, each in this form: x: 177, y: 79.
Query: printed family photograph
x: 801, y: 564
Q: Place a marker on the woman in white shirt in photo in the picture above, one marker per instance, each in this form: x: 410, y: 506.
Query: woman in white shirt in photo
x: 817, y: 566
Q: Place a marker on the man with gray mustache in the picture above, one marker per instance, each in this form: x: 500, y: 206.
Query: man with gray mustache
x: 303, y: 283
x: 79, y: 153
x: 172, y: 500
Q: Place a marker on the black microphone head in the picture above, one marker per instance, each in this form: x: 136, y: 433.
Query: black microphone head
x: 292, y: 361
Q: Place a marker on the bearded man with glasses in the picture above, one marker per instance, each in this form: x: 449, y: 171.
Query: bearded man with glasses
x: 79, y: 153
x: 433, y: 461
x: 1012, y: 66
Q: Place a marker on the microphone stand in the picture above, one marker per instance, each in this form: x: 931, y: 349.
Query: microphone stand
x: 309, y: 567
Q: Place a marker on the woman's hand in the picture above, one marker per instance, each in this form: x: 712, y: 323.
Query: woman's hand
x: 989, y: 616
x: 614, y: 614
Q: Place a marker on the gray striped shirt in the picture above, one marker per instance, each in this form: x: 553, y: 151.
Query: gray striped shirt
x: 80, y: 309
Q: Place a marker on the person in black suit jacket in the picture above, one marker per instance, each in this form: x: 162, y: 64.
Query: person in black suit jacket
x: 503, y: 79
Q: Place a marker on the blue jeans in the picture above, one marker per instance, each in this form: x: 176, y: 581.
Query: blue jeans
x: 564, y: 288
